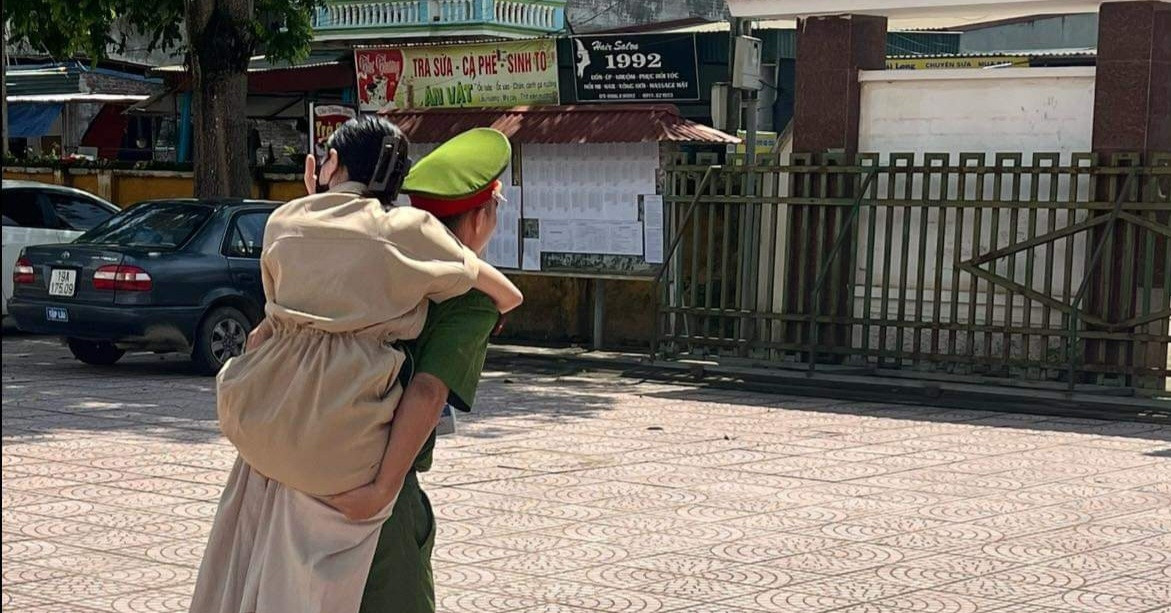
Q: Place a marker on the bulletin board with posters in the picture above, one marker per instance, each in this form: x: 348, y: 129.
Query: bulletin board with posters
x: 592, y: 210
x: 496, y: 74
x: 584, y: 210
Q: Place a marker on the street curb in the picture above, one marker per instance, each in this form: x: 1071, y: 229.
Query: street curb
x: 863, y: 388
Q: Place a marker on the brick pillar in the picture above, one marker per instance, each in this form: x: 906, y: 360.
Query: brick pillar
x: 1132, y: 115
x: 1132, y: 90
x: 830, y: 53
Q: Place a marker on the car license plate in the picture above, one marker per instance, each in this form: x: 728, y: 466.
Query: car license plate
x: 57, y: 314
x: 62, y: 282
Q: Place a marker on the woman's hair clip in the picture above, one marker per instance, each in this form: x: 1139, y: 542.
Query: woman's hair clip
x: 391, y: 168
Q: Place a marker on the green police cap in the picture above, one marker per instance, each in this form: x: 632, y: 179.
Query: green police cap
x: 460, y: 174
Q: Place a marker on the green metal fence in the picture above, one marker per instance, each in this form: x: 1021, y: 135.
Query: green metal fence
x: 1019, y: 266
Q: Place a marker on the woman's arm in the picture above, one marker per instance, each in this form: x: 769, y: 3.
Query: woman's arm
x: 497, y: 286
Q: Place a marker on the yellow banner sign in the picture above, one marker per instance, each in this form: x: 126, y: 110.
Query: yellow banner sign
x: 766, y: 142
x: 956, y: 62
x: 479, y: 75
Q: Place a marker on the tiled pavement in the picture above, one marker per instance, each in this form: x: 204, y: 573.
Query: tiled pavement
x: 602, y: 494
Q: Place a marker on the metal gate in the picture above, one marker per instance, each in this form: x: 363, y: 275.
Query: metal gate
x: 970, y: 264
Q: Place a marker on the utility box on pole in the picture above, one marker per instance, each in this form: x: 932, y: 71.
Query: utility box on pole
x: 746, y: 63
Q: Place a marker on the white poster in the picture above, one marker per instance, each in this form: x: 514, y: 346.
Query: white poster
x: 652, y: 225
x: 532, y: 254
x: 503, y: 250
x: 556, y: 236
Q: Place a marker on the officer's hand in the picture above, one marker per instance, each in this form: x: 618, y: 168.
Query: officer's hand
x: 362, y: 502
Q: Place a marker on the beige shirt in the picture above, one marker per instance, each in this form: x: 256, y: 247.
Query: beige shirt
x: 344, y: 280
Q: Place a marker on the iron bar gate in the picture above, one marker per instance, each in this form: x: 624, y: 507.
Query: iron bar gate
x: 971, y: 264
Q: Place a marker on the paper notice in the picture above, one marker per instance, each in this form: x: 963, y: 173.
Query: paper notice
x: 626, y: 238
x: 503, y: 249
x: 620, y: 206
x: 532, y: 254
x: 652, y: 210
x: 556, y: 236
x: 653, y: 222
x: 591, y: 237
x: 653, y: 245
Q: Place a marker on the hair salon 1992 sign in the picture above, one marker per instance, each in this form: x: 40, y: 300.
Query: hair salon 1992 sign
x: 635, y: 68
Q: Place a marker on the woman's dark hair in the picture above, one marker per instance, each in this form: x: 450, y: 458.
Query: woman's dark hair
x: 359, y: 143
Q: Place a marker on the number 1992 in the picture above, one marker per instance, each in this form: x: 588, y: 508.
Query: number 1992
x: 633, y: 60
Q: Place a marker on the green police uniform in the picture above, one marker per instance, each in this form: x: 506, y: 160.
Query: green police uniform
x: 458, y: 176
x: 452, y: 348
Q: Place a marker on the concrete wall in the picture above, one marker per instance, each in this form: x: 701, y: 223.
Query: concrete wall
x: 1058, y: 32
x: 126, y: 187
x: 1007, y: 109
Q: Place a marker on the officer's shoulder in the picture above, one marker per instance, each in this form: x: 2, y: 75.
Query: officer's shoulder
x: 473, y: 300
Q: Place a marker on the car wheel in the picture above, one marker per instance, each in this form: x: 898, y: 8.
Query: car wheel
x: 98, y: 353
x: 221, y: 337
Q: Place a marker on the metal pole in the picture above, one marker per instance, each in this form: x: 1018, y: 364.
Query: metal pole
x: 4, y: 89
x: 732, y: 116
x: 750, y: 119
x: 599, y: 312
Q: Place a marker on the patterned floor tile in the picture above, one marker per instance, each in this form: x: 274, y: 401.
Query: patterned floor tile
x: 599, y: 494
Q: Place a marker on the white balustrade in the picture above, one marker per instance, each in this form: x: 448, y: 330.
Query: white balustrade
x: 410, y: 12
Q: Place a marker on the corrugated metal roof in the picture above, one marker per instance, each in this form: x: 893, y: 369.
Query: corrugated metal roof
x: 791, y: 24
x: 39, y: 81
x: 261, y: 63
x: 1038, y: 53
x: 626, y: 123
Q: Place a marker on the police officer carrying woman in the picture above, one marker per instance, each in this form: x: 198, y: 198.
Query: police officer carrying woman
x: 348, y: 282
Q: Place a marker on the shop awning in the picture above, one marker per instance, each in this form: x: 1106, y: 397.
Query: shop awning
x: 31, y: 120
x: 259, y: 106
x: 627, y: 123
x: 78, y: 97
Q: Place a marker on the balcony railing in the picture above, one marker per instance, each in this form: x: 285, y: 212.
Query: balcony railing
x: 541, y: 16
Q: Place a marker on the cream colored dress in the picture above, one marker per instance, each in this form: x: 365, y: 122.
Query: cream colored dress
x: 310, y: 410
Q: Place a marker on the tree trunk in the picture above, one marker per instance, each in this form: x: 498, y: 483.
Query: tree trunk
x: 4, y: 89
x: 221, y: 46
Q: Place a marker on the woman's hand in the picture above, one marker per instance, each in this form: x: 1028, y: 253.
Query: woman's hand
x: 363, y: 502
x: 257, y: 337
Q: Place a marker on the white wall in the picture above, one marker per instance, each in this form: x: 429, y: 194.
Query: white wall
x: 1003, y: 109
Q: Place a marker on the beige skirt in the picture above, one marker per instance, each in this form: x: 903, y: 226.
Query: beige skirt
x: 273, y: 549
x: 312, y: 409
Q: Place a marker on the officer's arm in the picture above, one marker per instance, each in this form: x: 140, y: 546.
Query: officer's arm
x: 416, y: 416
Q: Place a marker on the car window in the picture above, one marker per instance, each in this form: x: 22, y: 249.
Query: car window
x: 247, y: 235
x: 79, y: 213
x: 158, y: 225
x: 25, y: 208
